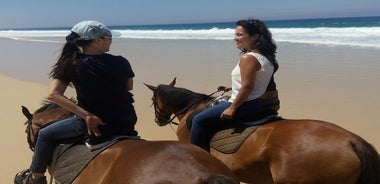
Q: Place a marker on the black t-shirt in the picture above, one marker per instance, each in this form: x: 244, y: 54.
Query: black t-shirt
x: 101, y: 86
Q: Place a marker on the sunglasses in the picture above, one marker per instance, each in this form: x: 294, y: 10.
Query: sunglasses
x: 107, y: 37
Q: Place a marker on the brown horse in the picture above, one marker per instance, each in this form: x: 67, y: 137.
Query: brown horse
x: 284, y: 151
x: 139, y: 161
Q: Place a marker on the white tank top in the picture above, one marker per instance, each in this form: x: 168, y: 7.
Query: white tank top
x: 263, y: 77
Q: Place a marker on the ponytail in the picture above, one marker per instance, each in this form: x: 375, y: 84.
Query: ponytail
x: 65, y: 66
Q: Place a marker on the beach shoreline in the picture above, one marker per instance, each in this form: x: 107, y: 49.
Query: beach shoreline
x: 337, y: 84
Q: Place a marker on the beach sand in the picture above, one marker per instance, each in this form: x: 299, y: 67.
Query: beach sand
x: 332, y: 83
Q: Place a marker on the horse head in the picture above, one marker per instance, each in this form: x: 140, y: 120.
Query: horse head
x: 44, y: 116
x: 168, y: 100
x: 162, y: 117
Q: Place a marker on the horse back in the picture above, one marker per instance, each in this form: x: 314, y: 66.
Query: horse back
x: 139, y: 161
x: 288, y: 147
x: 305, y: 136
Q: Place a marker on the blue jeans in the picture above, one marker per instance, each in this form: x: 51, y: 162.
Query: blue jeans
x: 53, y: 135
x: 206, y: 121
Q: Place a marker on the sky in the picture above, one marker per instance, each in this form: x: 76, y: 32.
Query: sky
x: 66, y: 13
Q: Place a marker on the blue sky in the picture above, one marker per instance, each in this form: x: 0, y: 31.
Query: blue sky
x: 63, y: 13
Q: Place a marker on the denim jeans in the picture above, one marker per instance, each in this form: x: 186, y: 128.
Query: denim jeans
x: 206, y: 121
x: 53, y: 135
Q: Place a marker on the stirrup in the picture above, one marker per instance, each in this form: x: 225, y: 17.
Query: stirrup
x: 20, y: 176
x: 25, y: 177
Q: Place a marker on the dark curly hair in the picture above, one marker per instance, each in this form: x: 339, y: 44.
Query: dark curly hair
x: 265, y: 43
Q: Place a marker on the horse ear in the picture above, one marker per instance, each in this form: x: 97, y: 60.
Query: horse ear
x: 26, y: 112
x: 173, y: 82
x: 153, y: 88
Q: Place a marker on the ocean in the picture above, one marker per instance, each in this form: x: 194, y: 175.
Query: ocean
x: 354, y: 31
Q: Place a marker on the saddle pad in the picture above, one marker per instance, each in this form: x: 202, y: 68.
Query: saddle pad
x: 229, y: 140
x: 71, y: 163
x: 76, y: 157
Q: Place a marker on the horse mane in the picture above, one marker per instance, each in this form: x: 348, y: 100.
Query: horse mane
x: 179, y: 98
x: 47, y: 104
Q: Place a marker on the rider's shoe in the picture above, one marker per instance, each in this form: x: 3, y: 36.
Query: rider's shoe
x: 25, y: 177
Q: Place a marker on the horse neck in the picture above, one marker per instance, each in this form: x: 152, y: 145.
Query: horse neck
x: 183, y: 132
x: 180, y: 100
x: 47, y: 117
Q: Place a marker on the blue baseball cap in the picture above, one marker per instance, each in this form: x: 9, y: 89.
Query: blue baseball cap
x: 89, y: 29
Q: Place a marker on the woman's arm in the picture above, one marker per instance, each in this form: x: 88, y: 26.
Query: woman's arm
x: 248, y: 69
x: 130, y: 84
x: 56, y: 94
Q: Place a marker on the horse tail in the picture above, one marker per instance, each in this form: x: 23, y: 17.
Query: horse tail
x: 219, y: 179
x: 370, y: 162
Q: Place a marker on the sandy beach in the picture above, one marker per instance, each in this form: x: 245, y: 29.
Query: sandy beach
x: 332, y: 83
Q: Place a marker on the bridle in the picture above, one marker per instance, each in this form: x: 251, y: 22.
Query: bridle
x: 32, y: 134
x: 34, y: 124
x: 29, y: 134
x: 158, y: 112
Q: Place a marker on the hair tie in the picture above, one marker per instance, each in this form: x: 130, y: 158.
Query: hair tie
x: 72, y: 38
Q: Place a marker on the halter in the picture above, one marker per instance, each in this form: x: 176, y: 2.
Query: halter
x: 158, y: 111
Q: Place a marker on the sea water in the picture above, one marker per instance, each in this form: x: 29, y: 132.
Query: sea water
x: 352, y: 31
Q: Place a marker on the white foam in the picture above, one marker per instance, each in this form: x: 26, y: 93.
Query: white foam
x: 354, y: 36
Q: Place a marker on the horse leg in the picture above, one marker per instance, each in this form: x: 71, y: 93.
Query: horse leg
x: 248, y: 166
x: 287, y: 175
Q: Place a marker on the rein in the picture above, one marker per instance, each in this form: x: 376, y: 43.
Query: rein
x: 170, y: 121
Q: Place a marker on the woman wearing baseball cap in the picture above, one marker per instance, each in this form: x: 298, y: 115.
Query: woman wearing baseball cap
x: 102, y: 83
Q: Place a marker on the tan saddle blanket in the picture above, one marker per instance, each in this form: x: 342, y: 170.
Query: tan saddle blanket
x: 72, y: 159
x: 229, y: 140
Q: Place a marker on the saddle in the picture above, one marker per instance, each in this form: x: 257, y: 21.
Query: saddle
x: 228, y: 138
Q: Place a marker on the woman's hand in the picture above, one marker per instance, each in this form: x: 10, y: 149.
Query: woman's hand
x: 93, y: 122
x: 228, y: 113
x: 224, y: 88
